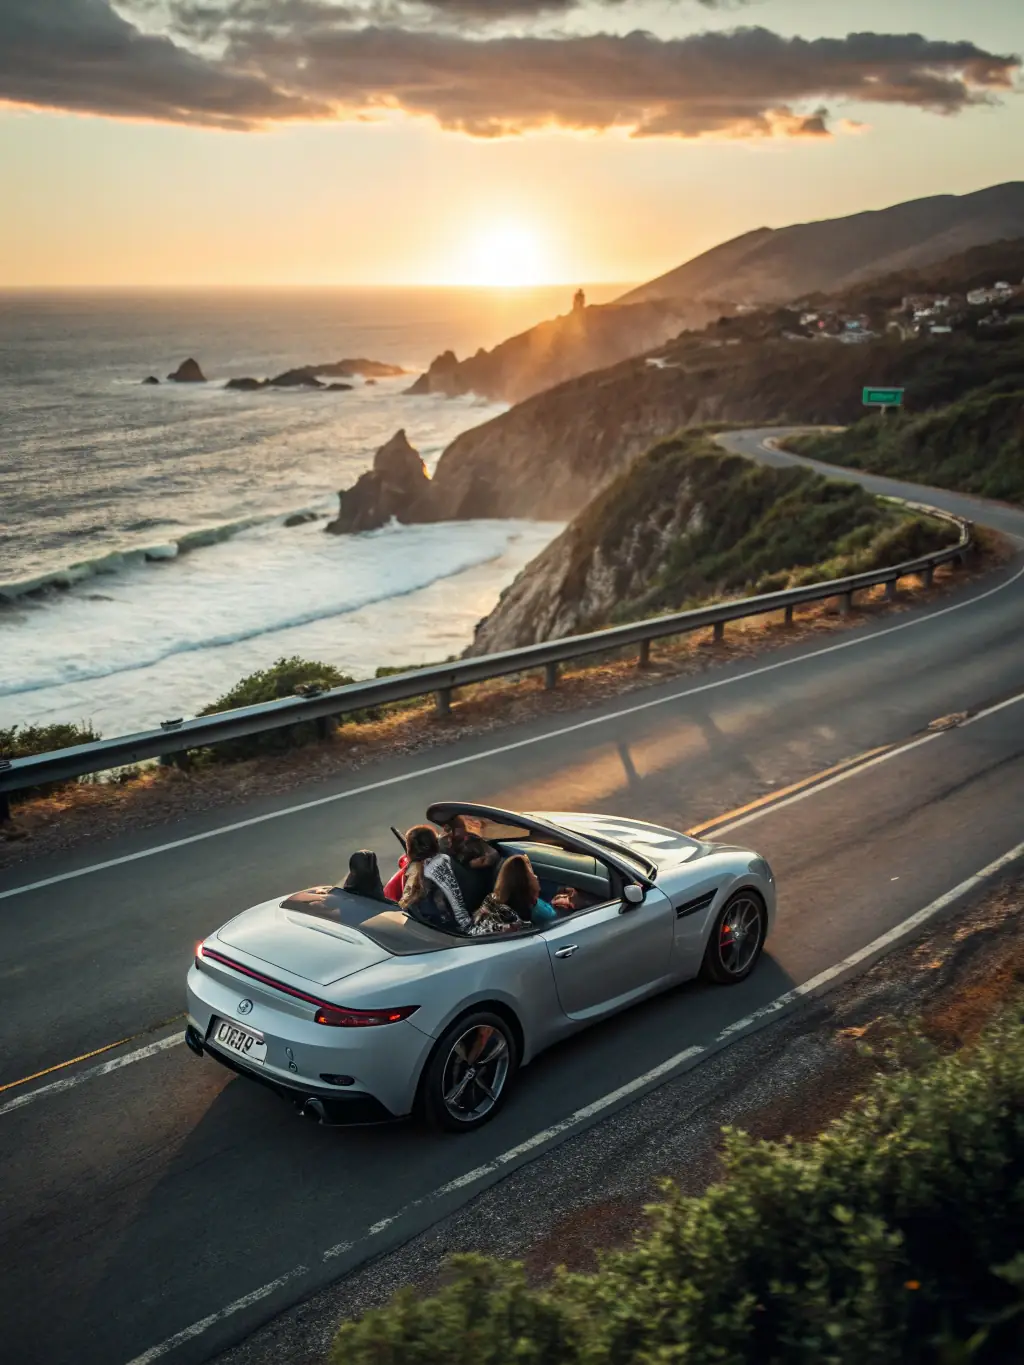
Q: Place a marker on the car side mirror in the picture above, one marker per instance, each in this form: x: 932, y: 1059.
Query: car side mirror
x: 633, y: 894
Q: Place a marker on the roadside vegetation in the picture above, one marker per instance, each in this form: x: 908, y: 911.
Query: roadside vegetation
x: 895, y: 1235
x: 687, y: 524
x: 721, y: 526
x: 973, y: 446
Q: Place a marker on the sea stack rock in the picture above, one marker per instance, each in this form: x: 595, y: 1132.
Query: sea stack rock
x: 188, y: 372
x: 151, y: 379
x: 441, y: 377
x: 397, y: 486
x: 245, y: 384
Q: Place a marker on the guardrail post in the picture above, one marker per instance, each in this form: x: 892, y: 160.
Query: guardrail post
x: 443, y: 701
x: 845, y: 603
x: 928, y: 576
x: 644, y: 661
x: 5, y: 808
x: 550, y: 677
x: 891, y: 589
x: 789, y: 615
x: 719, y: 634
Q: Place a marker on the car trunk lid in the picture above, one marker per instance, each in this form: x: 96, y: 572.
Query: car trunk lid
x: 302, y: 943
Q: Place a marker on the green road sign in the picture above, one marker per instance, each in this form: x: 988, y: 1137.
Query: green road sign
x: 883, y: 398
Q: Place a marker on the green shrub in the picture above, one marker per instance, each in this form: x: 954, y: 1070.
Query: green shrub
x: 893, y: 1237
x: 22, y: 741
x: 286, y: 678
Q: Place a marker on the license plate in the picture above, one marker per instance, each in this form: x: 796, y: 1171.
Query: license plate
x: 240, y: 1041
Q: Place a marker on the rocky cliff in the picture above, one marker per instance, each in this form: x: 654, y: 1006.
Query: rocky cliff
x: 546, y: 355
x: 687, y: 523
x: 397, y: 486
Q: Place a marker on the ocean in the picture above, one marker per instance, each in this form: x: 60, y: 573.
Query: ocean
x: 144, y: 562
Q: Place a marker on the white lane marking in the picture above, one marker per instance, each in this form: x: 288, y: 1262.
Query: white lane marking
x: 104, y: 1069
x: 716, y: 831
x: 513, y: 745
x: 990, y: 711
x: 204, y: 1324
x: 589, y: 1111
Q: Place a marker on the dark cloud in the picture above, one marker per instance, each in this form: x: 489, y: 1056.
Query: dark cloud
x: 285, y: 59
x: 744, y: 83
x: 209, y: 18
x: 81, y: 55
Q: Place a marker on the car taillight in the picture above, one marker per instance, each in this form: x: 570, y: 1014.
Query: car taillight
x: 342, y: 1018
x: 199, y: 955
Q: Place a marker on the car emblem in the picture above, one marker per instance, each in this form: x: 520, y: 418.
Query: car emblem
x: 245, y: 1007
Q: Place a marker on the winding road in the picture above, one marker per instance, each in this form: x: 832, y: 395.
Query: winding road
x: 155, y: 1208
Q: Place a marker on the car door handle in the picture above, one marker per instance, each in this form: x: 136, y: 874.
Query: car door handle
x: 567, y: 951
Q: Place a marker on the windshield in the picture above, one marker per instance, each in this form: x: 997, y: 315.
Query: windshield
x: 644, y: 866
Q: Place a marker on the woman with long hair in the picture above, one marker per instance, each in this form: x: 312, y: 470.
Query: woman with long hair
x: 515, y: 903
x: 430, y: 890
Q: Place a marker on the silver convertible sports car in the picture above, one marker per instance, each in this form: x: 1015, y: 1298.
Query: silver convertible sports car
x: 359, y: 1012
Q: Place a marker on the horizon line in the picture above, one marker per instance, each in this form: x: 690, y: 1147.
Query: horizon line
x: 39, y: 288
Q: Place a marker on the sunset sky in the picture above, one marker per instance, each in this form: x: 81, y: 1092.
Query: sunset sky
x: 257, y: 142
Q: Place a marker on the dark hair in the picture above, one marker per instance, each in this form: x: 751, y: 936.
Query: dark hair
x: 364, y: 876
x: 512, y: 886
x: 421, y: 843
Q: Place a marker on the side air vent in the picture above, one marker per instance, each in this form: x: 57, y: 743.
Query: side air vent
x: 694, y: 907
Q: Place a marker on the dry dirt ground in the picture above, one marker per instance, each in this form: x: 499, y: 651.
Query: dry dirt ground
x: 89, y: 811
x: 790, y: 1079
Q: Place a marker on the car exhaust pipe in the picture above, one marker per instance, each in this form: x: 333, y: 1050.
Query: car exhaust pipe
x: 314, y: 1109
x: 193, y: 1040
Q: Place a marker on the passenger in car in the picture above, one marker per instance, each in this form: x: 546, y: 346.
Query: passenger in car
x: 515, y: 902
x: 364, y: 876
x: 430, y: 891
x: 568, y: 899
x: 475, y: 862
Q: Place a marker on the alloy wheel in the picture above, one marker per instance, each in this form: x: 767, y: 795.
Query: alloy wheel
x: 739, y: 938
x: 475, y: 1072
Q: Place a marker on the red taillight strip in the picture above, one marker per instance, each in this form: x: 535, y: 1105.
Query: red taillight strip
x: 205, y: 952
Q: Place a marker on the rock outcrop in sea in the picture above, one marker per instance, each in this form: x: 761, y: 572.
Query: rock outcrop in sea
x: 397, y: 486
x: 188, y: 372
x: 312, y: 376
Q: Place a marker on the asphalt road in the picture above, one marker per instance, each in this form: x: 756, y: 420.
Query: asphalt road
x: 165, y: 1202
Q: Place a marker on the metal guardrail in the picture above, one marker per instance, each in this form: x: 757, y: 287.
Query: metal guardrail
x: 443, y: 679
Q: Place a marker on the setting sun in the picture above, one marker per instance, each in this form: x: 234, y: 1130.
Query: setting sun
x: 506, y: 254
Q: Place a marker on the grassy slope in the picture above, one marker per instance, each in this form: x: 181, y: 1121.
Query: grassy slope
x: 975, y: 446
x: 730, y: 526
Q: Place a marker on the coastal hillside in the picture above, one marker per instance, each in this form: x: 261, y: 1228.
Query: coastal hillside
x: 940, y: 334
x: 547, y: 456
x: 973, y: 446
x: 687, y: 523
x: 788, y: 263
x: 587, y: 338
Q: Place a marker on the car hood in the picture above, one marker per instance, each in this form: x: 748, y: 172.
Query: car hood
x: 653, y: 843
x: 304, y: 945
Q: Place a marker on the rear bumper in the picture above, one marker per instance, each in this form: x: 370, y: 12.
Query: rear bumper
x: 377, y: 1068
x: 336, y: 1105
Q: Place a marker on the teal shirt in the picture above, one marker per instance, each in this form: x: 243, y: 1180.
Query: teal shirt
x: 542, y: 914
